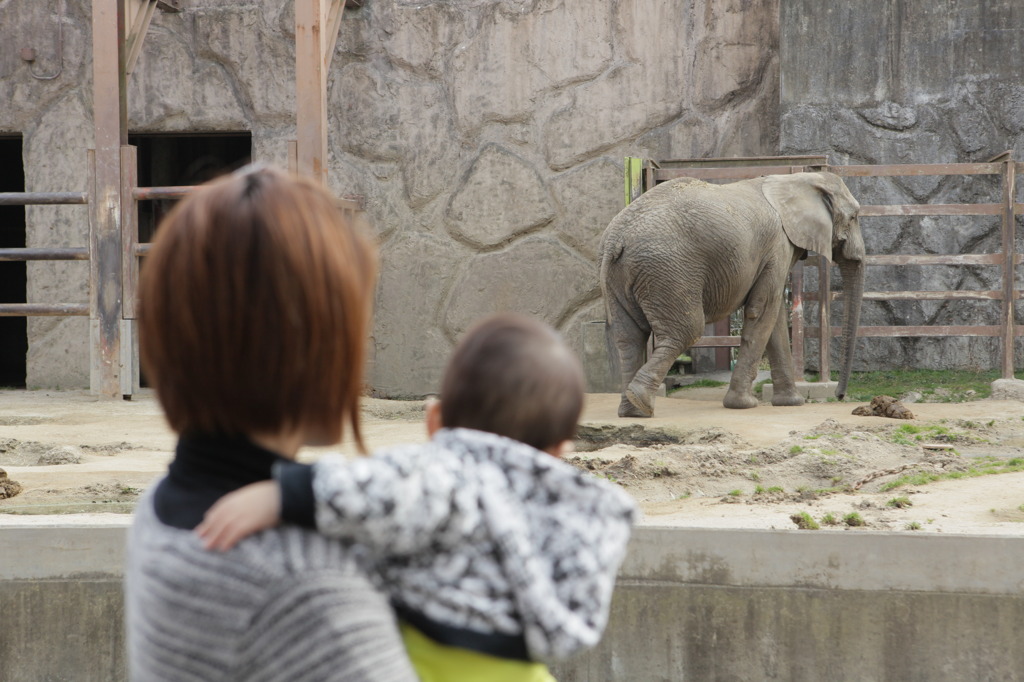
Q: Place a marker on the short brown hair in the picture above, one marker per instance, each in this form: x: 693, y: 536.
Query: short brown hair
x: 254, y: 309
x: 514, y: 376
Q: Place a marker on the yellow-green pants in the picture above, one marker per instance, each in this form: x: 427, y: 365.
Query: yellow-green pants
x: 439, y: 663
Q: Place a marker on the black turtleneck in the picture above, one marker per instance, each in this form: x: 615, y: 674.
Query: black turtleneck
x: 207, y: 467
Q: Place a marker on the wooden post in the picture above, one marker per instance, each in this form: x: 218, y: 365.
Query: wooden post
x: 311, y: 60
x: 1009, y: 258
x: 796, y: 319
x: 634, y: 178
x: 824, y: 323
x: 110, y: 122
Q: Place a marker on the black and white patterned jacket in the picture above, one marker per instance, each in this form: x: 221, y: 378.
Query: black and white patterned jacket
x: 479, y: 534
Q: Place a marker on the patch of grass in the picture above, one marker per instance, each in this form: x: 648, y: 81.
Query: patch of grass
x: 754, y: 476
x: 914, y: 434
x: 899, y: 502
x: 830, y: 519
x: 804, y: 521
x: 683, y: 496
x: 988, y: 467
x: 758, y: 490
x: 795, y: 450
x: 775, y: 489
x: 814, y: 436
x: 913, y: 525
x: 735, y: 493
x: 864, y: 386
x: 854, y: 519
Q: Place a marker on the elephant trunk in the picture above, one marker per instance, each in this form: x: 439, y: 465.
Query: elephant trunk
x: 853, y: 287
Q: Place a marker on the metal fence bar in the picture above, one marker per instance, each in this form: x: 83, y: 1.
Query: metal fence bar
x: 938, y: 259
x: 172, y: 192
x: 44, y: 309
x: 930, y: 209
x: 970, y: 295
x: 42, y: 198
x: 717, y: 342
x: 21, y: 254
x: 922, y: 330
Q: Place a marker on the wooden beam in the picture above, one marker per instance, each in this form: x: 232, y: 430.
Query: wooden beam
x: 889, y: 170
x: 139, y: 14
x: 334, y: 15
x: 311, y: 27
x: 1009, y: 234
x: 110, y: 122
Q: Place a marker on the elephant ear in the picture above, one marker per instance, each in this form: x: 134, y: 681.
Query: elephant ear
x: 806, y: 217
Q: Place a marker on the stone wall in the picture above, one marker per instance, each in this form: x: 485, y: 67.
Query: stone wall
x: 911, y: 81
x: 487, y: 137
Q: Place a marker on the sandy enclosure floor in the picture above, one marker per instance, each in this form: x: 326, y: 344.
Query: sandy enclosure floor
x: 695, y: 464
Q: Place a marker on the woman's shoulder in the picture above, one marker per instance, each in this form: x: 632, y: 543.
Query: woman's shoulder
x: 277, y: 554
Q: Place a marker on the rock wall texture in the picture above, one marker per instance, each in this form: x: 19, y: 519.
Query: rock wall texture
x: 487, y: 137
x: 911, y: 81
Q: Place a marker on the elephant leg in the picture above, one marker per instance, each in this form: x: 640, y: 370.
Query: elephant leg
x: 630, y: 340
x: 780, y: 357
x: 759, y: 320
x: 668, y: 344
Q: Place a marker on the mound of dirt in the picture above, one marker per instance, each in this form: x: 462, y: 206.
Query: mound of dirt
x: 8, y: 488
x: 830, y: 460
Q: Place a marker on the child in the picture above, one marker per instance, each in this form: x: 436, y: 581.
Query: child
x: 496, y: 554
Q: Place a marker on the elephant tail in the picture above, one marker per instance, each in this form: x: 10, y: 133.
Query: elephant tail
x: 611, y: 250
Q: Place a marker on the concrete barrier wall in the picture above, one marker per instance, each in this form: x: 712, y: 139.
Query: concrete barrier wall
x: 692, y: 604
x: 61, y: 615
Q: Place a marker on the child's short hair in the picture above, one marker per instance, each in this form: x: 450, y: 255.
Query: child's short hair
x: 514, y: 376
x: 254, y: 309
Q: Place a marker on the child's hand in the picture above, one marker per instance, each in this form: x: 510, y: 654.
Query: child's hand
x: 239, y: 514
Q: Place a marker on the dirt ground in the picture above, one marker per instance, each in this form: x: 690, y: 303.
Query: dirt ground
x: 695, y: 464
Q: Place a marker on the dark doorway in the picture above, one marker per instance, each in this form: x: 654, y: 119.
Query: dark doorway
x: 171, y: 160
x: 167, y: 160
x: 13, y: 330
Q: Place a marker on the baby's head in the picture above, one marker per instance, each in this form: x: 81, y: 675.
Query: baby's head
x: 514, y: 376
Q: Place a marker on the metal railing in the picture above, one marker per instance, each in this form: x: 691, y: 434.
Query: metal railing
x: 1003, y: 165
x: 39, y: 254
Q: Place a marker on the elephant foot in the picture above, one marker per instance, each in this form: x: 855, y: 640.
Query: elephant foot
x: 788, y: 399
x: 735, y: 400
x: 627, y: 409
x: 639, y: 400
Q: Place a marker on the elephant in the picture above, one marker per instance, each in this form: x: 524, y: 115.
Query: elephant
x: 687, y: 253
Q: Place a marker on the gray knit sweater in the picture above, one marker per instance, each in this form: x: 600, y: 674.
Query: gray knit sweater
x: 285, y: 604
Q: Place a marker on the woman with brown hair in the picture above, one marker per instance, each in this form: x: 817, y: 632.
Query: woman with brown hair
x: 254, y: 313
